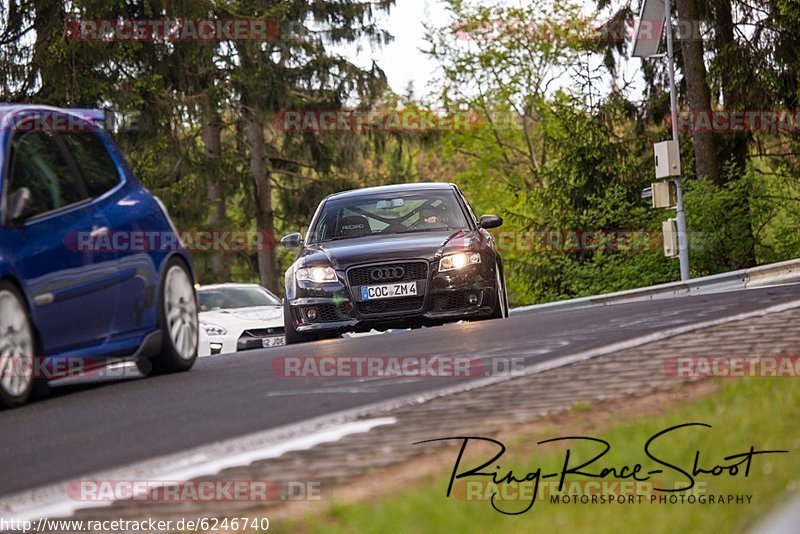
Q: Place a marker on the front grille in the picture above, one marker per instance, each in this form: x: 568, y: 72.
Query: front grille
x: 326, y: 313
x: 252, y: 339
x: 413, y: 270
x: 392, y: 305
x: 416, y: 270
x: 264, y: 332
x: 453, y: 301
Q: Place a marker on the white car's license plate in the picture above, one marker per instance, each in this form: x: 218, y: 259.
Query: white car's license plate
x: 385, y: 291
x: 276, y: 341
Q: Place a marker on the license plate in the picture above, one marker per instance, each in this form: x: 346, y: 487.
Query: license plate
x: 386, y: 291
x: 277, y: 341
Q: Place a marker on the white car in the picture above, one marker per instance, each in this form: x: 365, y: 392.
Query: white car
x: 236, y: 317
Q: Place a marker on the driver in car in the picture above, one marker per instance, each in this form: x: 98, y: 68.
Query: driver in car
x: 429, y: 218
x: 438, y: 217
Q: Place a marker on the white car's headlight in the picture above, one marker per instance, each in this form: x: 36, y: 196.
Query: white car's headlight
x: 316, y: 274
x: 213, y: 330
x: 458, y: 261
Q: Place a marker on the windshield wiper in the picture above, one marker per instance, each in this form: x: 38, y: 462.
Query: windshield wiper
x: 442, y: 229
x: 337, y: 238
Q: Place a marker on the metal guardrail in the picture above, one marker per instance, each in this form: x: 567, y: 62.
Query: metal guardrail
x: 785, y: 272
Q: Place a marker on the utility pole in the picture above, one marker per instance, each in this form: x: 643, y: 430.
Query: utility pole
x: 645, y: 45
x: 683, y: 244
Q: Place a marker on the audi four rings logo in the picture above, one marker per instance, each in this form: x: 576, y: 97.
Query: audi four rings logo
x: 387, y: 273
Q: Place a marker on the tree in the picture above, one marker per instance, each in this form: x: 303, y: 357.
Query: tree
x: 698, y: 95
x: 561, y: 163
x: 298, y: 72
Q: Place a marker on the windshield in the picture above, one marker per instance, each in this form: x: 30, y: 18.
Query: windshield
x: 417, y: 211
x: 225, y: 298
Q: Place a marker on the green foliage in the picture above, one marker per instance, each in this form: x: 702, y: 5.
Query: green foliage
x: 719, y: 224
x: 551, y: 166
x: 741, y: 413
x: 546, y: 160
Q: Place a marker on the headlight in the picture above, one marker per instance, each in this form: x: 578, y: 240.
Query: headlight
x: 458, y: 261
x: 316, y: 274
x: 213, y: 330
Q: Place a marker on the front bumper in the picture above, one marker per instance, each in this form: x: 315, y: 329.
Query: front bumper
x: 236, y: 342
x: 260, y: 338
x: 468, y: 293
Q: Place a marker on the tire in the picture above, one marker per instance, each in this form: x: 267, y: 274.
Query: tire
x: 501, y: 307
x: 17, y: 348
x: 177, y: 319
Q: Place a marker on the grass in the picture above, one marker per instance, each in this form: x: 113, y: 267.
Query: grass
x: 759, y: 412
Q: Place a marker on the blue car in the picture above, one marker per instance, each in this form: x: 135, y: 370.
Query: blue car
x: 92, y: 269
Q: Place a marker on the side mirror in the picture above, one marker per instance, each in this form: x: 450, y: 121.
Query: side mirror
x: 18, y: 203
x: 490, y: 221
x: 293, y: 240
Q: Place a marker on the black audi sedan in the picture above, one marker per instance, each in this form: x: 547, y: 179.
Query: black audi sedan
x: 394, y: 256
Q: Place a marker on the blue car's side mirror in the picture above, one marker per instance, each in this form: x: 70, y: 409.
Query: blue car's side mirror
x: 18, y: 203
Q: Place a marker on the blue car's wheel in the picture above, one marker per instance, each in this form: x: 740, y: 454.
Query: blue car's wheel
x: 178, y: 320
x: 17, y: 348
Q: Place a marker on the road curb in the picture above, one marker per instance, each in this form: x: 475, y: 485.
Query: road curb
x: 52, y: 500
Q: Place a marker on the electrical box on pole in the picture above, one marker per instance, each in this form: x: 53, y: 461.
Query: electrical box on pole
x: 668, y: 159
x: 664, y: 194
x: 669, y: 229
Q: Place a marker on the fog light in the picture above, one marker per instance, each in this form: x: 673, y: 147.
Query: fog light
x: 472, y: 299
x: 216, y: 348
x: 311, y: 313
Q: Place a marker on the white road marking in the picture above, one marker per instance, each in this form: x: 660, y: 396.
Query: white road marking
x: 53, y: 501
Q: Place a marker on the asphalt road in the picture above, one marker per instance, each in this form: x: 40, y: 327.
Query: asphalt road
x: 86, y: 428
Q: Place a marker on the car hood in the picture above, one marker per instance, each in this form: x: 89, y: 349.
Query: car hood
x: 253, y: 317
x: 370, y: 249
